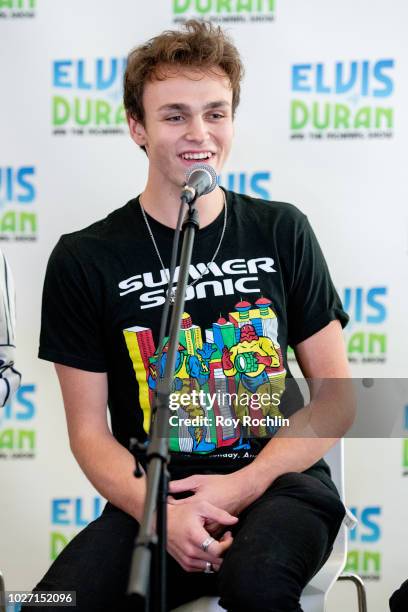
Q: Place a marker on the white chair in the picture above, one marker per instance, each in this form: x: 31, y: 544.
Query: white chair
x: 315, y: 594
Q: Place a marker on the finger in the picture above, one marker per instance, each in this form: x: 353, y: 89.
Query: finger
x: 219, y: 547
x: 207, y: 544
x: 214, y: 529
x: 215, y: 550
x: 225, y: 544
x: 217, y: 514
x: 192, y: 547
x: 194, y: 552
x: 217, y: 531
x: 175, y: 502
x: 192, y: 562
x: 206, y: 558
x: 184, y: 484
x: 200, y: 565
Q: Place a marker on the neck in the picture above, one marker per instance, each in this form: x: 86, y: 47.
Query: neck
x: 164, y: 204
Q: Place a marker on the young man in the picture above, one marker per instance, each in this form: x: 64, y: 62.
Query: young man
x: 263, y: 512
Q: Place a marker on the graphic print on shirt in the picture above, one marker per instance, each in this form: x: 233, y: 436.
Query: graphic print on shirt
x: 238, y: 360
x: 233, y: 276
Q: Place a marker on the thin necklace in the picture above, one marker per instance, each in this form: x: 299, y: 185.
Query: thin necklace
x: 173, y: 290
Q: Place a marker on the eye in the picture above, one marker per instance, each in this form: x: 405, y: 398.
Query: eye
x: 174, y: 118
x: 216, y: 115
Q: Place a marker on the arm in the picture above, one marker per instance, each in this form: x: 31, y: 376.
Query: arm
x: 321, y: 356
x: 109, y: 466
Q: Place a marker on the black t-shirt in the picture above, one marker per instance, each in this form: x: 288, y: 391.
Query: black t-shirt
x: 269, y: 287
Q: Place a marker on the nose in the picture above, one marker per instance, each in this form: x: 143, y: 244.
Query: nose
x: 197, y: 130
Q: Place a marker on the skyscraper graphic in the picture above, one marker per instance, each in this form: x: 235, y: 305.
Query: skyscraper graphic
x: 223, y: 334
x: 190, y: 335
x: 140, y: 344
x: 231, y: 363
x: 267, y: 319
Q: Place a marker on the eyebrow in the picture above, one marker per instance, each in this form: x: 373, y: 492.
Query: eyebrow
x: 185, y: 107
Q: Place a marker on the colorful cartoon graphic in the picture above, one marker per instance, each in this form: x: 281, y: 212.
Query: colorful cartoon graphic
x: 239, y: 358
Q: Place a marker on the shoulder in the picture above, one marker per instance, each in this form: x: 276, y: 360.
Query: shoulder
x: 266, y: 213
x: 101, y: 235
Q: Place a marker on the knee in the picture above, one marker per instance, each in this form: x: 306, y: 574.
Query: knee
x: 264, y: 585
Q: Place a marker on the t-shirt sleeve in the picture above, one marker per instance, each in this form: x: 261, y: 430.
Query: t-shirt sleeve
x: 71, y: 321
x: 313, y: 300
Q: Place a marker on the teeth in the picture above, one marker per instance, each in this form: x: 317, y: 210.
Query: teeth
x: 205, y: 155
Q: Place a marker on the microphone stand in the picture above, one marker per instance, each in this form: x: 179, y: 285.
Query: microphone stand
x: 147, y: 543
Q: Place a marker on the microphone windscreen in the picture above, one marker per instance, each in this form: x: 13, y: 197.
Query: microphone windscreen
x: 207, y: 168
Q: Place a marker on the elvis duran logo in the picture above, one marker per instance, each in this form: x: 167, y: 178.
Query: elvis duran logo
x: 17, y: 9
x: 224, y: 11
x: 69, y: 515
x: 17, y: 434
x: 365, y: 560
x: 255, y: 184
x: 365, y: 335
x: 346, y: 99
x: 87, y: 96
x: 17, y: 197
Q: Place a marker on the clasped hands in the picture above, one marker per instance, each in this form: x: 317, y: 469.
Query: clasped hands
x: 214, y: 505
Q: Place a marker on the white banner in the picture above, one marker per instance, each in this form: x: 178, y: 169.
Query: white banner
x: 321, y: 124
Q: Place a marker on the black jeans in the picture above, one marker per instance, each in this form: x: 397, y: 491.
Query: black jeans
x: 280, y: 542
x: 399, y: 599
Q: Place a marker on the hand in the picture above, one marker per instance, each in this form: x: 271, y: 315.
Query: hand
x: 230, y: 492
x: 206, y: 351
x: 226, y: 359
x: 264, y: 359
x: 186, y: 533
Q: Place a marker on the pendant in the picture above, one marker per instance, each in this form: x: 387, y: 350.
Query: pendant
x: 172, y: 295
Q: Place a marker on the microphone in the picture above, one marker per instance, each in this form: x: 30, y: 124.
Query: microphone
x: 200, y: 180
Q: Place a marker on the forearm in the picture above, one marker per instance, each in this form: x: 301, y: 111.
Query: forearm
x: 280, y: 456
x: 312, y: 431
x: 109, y: 466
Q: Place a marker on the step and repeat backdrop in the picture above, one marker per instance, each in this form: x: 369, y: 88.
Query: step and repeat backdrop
x: 322, y: 124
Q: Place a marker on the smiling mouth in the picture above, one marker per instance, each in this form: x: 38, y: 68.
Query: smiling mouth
x: 197, y: 156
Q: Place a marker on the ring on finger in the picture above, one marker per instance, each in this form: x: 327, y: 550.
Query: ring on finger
x: 208, y: 568
x: 205, y: 545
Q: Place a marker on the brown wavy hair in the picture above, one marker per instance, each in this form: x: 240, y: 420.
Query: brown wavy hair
x: 200, y: 45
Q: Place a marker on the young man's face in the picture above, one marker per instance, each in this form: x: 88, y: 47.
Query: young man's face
x: 188, y: 119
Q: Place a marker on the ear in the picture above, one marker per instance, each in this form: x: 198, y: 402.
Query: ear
x: 137, y: 131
